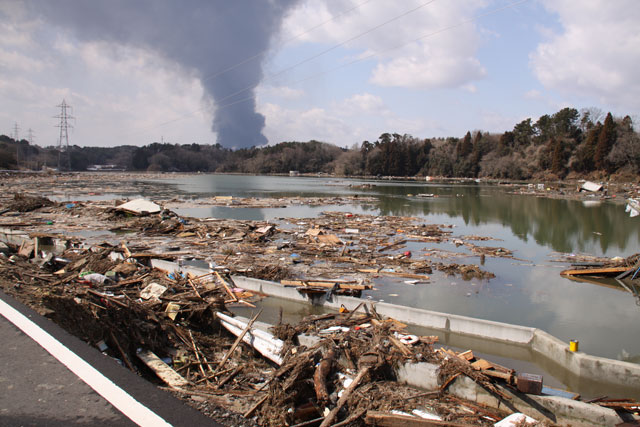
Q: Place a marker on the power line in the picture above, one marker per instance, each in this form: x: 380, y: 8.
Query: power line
x: 364, y: 58
x: 311, y: 58
x: 355, y: 61
x: 304, y: 61
x: 214, y: 75
x: 297, y: 36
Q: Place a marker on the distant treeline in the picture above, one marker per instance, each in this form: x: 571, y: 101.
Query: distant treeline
x: 569, y: 143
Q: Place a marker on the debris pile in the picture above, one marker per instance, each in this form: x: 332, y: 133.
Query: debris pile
x: 26, y: 203
x: 172, y: 327
x: 348, y: 374
x: 330, y: 368
x: 165, y: 326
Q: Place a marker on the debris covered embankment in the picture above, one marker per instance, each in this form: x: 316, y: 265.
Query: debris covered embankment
x: 165, y: 326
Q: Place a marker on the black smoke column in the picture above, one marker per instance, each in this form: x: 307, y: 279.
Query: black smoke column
x: 202, y: 36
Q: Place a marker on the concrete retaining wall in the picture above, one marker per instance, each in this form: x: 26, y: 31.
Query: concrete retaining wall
x: 585, y: 365
x: 597, y: 369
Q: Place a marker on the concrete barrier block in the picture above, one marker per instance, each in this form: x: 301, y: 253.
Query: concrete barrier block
x: 574, y: 413
x: 415, y: 316
x: 488, y: 329
x: 422, y: 375
x: 608, y: 370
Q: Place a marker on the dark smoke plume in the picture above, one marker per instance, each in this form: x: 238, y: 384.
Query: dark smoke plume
x: 204, y: 36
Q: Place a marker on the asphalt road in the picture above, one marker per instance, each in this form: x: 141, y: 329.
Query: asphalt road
x: 37, y: 389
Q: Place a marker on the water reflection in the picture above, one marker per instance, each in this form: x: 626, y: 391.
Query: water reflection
x: 529, y: 293
x: 562, y: 225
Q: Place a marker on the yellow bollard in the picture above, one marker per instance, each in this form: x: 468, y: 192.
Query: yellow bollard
x: 573, y: 345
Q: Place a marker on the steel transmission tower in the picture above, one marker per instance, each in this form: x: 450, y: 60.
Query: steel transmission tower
x: 64, y: 161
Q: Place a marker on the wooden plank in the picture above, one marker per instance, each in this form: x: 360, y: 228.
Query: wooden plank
x: 392, y: 245
x: 329, y: 238
x: 481, y: 365
x: 498, y: 374
x: 466, y: 355
x: 377, y: 418
x: 501, y: 368
x: 322, y: 284
x: 162, y: 370
x: 226, y: 286
x: 594, y: 271
x: 393, y: 273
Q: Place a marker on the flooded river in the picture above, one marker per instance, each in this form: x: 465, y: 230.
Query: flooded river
x: 527, y: 291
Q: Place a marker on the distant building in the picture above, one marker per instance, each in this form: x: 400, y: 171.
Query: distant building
x: 105, y: 168
x: 294, y: 173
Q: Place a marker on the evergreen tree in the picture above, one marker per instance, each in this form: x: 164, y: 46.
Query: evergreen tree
x: 584, y: 160
x: 557, y: 158
x: 606, y: 139
x: 464, y: 147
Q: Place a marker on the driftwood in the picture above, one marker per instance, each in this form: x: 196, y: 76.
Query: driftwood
x: 320, y: 376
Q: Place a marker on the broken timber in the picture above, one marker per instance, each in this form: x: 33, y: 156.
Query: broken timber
x: 162, y: 370
x: 325, y: 284
x: 608, y: 271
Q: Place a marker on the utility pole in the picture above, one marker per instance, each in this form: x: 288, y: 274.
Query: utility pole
x: 30, y: 140
x: 16, y: 135
x: 63, y: 142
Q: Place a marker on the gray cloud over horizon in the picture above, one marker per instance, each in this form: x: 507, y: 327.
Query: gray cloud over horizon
x: 204, y: 37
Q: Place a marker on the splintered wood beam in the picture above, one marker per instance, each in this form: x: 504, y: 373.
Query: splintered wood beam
x: 345, y: 396
x: 162, y: 370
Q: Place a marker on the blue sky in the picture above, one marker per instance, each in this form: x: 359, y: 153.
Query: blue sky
x: 488, y: 73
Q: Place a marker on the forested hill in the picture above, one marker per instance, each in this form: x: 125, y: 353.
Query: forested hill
x: 568, y: 143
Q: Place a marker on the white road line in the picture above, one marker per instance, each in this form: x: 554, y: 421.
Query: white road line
x: 123, y: 401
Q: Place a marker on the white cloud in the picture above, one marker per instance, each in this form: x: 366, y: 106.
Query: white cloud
x: 496, y: 122
x: 342, y: 124
x: 439, y: 59
x: 428, y: 72
x: 363, y: 103
x: 470, y: 88
x: 283, y: 124
x: 18, y: 62
x: 352, y: 120
x: 533, y: 94
x: 596, y: 54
